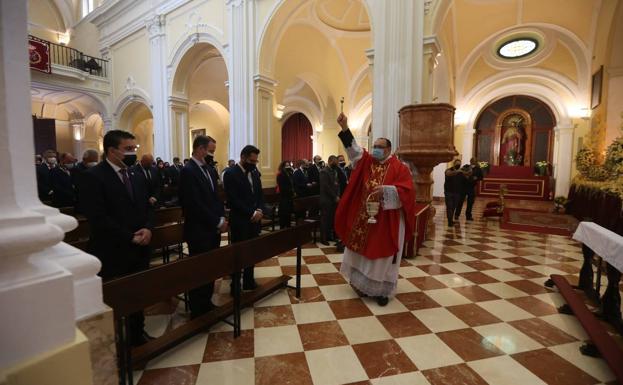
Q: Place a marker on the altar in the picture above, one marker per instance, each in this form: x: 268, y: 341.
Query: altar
x: 514, y: 135
x: 520, y: 181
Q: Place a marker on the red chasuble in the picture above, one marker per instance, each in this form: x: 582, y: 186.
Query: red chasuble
x: 379, y: 240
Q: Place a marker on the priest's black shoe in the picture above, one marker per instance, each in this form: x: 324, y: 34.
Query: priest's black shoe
x: 382, y: 301
x: 251, y: 285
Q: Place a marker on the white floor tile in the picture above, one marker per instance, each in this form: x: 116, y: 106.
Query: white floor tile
x: 439, y: 319
x: 435, y: 354
x: 335, y: 366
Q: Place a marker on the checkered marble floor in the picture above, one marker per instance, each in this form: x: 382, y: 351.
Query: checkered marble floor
x: 470, y: 309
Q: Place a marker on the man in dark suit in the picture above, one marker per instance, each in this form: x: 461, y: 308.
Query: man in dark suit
x: 174, y: 172
x: 245, y: 199
x: 62, y: 182
x: 329, y: 196
x: 89, y: 160
x: 300, y: 180
x: 313, y: 174
x: 204, y: 214
x: 120, y: 218
x: 148, y: 174
x: 342, y: 176
x: 473, y: 175
x: 44, y: 186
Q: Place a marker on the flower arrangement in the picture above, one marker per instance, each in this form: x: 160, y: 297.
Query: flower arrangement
x: 541, y: 168
x: 585, y: 160
x: 559, y: 203
x: 604, y: 178
x: 484, y: 166
x: 512, y: 158
x: 614, y: 158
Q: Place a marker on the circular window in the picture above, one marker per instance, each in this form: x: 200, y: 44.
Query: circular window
x: 518, y: 48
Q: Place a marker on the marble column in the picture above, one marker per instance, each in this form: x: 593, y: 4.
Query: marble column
x: 264, y: 97
x: 241, y: 53
x: 159, y: 90
x: 41, y: 279
x: 563, y: 141
x: 178, y: 111
x: 398, y: 35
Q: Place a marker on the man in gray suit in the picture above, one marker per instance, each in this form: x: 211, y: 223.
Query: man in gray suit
x: 329, y: 196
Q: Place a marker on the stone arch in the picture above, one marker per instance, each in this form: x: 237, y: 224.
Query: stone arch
x: 181, y: 51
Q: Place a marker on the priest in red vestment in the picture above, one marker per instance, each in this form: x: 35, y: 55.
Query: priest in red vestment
x: 373, y: 251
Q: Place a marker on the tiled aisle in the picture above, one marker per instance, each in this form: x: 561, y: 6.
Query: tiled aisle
x: 470, y: 309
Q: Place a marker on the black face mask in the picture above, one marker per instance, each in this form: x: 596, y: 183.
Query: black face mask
x: 333, y: 166
x: 249, y: 166
x: 342, y: 164
x: 209, y: 159
x: 129, y: 159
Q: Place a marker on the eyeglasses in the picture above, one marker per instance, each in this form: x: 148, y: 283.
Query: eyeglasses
x: 379, y: 146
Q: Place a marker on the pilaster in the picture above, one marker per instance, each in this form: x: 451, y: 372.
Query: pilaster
x: 468, y: 144
x: 162, y: 129
x: 429, y: 64
x: 563, y: 136
x: 178, y: 111
x: 264, y: 98
x: 242, y: 50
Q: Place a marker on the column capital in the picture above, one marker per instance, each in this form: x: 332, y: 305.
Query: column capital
x: 155, y: 26
x: 431, y: 45
x: 564, y: 128
x: 178, y: 103
x: 265, y: 83
x: 370, y: 56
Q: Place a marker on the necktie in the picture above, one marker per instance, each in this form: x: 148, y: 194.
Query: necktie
x: 148, y: 175
x: 207, y: 174
x: 126, y: 182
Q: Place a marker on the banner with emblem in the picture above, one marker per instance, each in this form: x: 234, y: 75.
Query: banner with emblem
x: 39, y: 54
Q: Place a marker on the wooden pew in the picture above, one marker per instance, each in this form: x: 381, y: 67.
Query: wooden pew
x: 602, y: 343
x: 163, y: 237
x: 168, y: 215
x: 136, y: 292
x: 271, y: 201
x: 79, y: 233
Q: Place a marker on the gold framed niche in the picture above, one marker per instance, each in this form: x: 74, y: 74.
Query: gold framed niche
x: 499, y: 125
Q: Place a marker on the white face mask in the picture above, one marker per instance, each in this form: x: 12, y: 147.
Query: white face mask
x: 91, y: 164
x: 52, y: 161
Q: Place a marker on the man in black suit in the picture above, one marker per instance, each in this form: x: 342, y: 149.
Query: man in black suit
x: 313, y: 174
x: 89, y: 160
x: 329, y: 196
x: 472, y: 177
x: 148, y: 174
x: 245, y: 199
x: 120, y: 218
x: 62, y: 182
x: 342, y: 176
x: 300, y: 180
x: 174, y: 172
x: 204, y: 214
x: 44, y: 185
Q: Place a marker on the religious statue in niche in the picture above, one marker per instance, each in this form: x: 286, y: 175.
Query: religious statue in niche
x: 512, y: 142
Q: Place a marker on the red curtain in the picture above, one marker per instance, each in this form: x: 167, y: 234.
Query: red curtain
x: 296, y: 142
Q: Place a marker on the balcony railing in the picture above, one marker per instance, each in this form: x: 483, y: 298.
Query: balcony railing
x: 70, y: 57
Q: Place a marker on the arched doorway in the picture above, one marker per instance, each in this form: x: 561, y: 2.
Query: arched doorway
x: 201, y: 81
x: 515, y: 131
x: 137, y: 119
x: 296, y: 142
